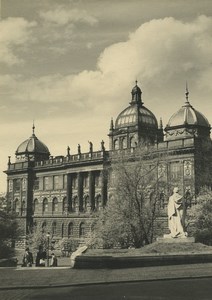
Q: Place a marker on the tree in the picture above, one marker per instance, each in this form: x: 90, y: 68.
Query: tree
x: 199, y: 218
x: 130, y: 215
x: 8, y: 234
x: 37, y: 238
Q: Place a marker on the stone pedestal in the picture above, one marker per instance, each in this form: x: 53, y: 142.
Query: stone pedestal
x: 168, y: 239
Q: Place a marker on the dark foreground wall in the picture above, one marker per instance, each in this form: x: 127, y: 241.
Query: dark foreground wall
x: 98, y: 262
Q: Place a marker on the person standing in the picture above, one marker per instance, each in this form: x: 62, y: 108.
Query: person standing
x: 40, y: 258
x: 27, y: 258
x: 175, y: 214
x: 53, y: 261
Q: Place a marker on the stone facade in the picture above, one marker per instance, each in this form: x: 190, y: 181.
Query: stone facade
x: 63, y: 193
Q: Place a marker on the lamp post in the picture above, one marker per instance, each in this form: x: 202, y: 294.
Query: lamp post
x: 48, y: 235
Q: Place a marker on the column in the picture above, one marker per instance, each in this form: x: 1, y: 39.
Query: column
x: 104, y: 179
x: 91, y: 190
x: 69, y: 193
x: 80, y: 191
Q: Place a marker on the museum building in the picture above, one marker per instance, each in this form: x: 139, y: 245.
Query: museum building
x: 62, y: 194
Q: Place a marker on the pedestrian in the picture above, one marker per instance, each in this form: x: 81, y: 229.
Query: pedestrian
x: 40, y: 258
x: 27, y: 258
x: 53, y: 260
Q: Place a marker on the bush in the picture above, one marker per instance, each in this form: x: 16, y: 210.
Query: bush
x: 200, y: 218
x: 8, y: 233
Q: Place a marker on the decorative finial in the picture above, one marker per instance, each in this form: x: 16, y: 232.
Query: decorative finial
x: 9, y: 162
x: 68, y: 151
x: 33, y: 128
x: 79, y: 149
x: 187, y: 92
x: 111, y: 124
x: 136, y: 81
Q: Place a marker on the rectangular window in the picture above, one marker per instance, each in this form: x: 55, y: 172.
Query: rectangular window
x: 56, y: 182
x: 17, y: 185
x: 46, y: 183
x: 97, y: 179
x: 85, y: 181
x: 74, y: 182
x: 65, y: 182
x: 36, y: 184
x: 175, y: 170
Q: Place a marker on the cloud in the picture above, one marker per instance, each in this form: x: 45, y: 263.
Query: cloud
x: 162, y: 54
x: 61, y: 16
x: 15, y: 32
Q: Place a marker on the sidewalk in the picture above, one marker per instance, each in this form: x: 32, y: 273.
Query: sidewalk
x: 22, y: 278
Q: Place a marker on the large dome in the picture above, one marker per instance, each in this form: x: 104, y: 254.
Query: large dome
x: 134, y: 115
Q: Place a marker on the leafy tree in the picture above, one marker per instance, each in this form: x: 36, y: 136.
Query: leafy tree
x: 37, y: 238
x: 8, y: 233
x: 199, y: 218
x: 129, y: 218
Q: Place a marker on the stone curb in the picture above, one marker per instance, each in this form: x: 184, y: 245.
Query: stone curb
x: 20, y: 287
x: 111, y: 262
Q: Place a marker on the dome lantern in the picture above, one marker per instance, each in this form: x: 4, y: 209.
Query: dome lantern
x: 136, y: 95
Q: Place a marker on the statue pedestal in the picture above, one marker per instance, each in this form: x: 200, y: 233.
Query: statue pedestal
x: 168, y: 239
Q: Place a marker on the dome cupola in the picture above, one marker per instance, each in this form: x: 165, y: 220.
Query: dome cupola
x: 32, y: 149
x: 136, y: 114
x: 135, y: 125
x: 187, y: 122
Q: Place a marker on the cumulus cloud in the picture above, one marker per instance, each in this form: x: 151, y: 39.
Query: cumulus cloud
x: 61, y: 16
x: 15, y: 32
x: 162, y: 54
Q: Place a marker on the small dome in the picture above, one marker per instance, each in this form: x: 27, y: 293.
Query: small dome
x: 134, y: 115
x: 33, y: 146
x: 187, y: 115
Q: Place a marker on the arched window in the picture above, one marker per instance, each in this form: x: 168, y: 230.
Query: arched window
x: 82, y: 229
x: 65, y: 204
x: 35, y: 205
x: 124, y: 143
x: 70, y: 229
x: 98, y: 202
x: 54, y: 228
x: 116, y: 145
x: 54, y: 205
x: 45, y: 205
x: 86, y: 202
x: 16, y: 206
x: 74, y: 203
x: 133, y: 142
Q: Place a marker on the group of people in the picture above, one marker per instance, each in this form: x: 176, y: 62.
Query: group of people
x: 40, y: 260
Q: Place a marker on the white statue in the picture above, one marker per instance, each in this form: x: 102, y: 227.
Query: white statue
x: 175, y: 215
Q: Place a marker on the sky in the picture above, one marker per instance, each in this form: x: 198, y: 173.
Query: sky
x: 70, y: 66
